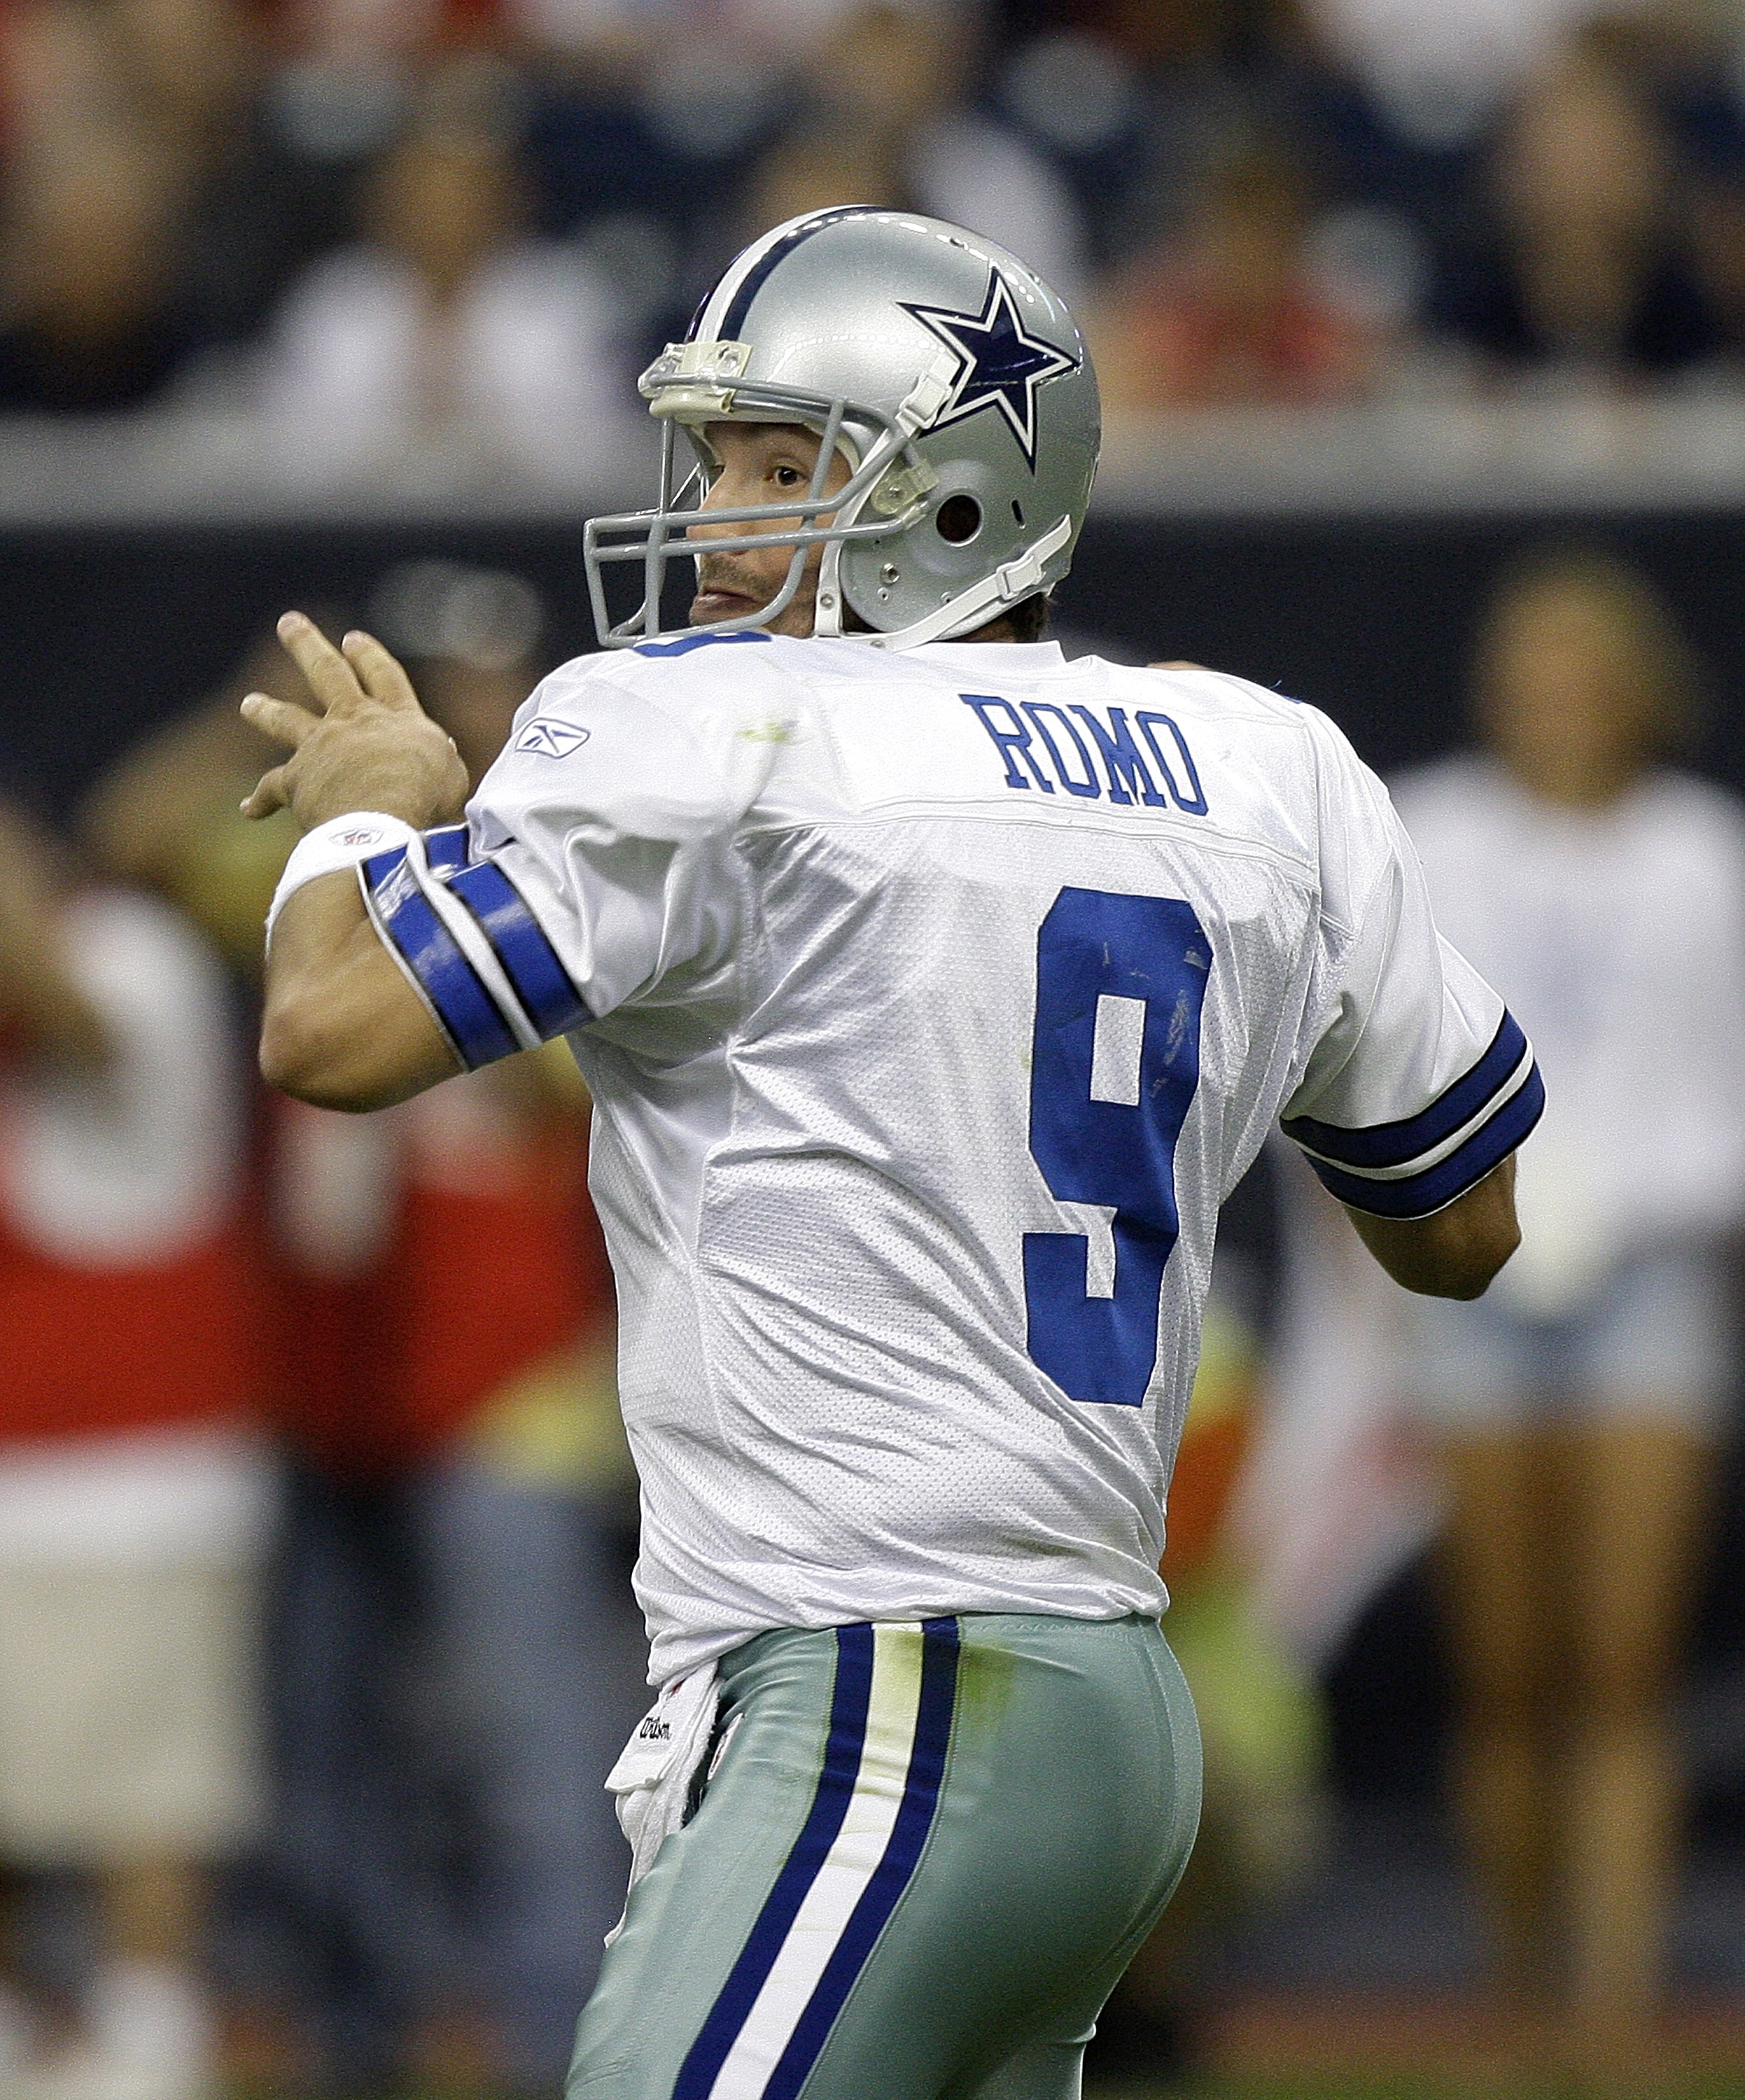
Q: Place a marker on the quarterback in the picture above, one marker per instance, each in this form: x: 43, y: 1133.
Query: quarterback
x: 933, y: 992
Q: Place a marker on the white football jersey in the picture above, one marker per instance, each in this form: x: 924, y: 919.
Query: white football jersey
x: 932, y: 1003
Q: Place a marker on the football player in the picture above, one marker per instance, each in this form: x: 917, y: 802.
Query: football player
x: 933, y: 992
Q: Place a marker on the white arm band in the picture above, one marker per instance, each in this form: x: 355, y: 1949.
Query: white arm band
x: 342, y: 842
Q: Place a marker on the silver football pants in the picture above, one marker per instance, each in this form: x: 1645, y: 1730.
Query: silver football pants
x: 926, y: 1852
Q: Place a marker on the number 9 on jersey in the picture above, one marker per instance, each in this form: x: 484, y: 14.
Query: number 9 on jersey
x: 1120, y: 987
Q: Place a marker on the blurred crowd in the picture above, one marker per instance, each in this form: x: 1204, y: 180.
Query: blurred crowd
x: 1562, y: 1439
x: 377, y: 224
x: 316, y: 1638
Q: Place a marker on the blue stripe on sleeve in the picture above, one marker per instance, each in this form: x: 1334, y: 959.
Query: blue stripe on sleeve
x: 379, y: 866
x: 445, y: 851
x: 521, y: 944
x: 1418, y: 1195
x: 824, y: 1821
x: 1393, y: 1144
x: 895, y: 1870
x: 463, y: 1005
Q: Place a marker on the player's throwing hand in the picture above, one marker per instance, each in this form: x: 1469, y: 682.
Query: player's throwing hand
x: 363, y: 741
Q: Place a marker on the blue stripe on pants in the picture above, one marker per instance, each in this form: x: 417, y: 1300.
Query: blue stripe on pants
x: 830, y: 1805
x: 902, y: 1855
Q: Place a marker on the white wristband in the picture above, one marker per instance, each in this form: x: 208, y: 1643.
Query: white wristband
x: 340, y: 842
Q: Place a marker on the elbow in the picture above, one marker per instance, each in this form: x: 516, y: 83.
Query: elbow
x: 1472, y: 1269
x: 303, y: 1055
x: 354, y: 1040
x: 1455, y: 1252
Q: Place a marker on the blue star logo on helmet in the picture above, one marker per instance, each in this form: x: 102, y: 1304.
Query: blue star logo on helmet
x: 999, y: 365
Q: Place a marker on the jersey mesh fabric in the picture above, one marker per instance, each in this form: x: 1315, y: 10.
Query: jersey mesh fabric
x: 808, y: 892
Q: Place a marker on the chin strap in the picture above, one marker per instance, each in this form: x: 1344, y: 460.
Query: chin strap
x: 826, y: 618
x: 1010, y: 583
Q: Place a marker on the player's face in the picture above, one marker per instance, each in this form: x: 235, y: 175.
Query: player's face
x: 759, y: 463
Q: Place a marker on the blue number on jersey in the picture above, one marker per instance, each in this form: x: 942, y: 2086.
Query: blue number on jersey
x: 1103, y: 1129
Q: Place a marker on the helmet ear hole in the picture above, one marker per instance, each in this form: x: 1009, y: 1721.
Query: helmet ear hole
x: 958, y: 519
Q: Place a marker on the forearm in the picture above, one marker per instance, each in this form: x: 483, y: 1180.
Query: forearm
x: 1456, y: 1253
x: 342, y: 1029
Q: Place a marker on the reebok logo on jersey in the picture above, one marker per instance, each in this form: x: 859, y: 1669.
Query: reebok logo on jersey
x: 548, y: 737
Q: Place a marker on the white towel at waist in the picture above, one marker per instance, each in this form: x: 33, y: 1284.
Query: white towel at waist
x: 652, y: 1780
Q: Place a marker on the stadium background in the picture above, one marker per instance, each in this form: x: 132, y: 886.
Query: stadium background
x: 1325, y: 509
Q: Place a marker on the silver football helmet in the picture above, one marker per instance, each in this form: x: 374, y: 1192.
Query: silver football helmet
x: 955, y: 383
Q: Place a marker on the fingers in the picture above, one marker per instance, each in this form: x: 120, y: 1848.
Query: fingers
x: 378, y: 672
x: 278, y: 719
x: 331, y: 678
x: 271, y: 791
